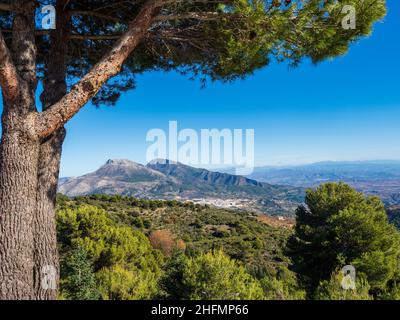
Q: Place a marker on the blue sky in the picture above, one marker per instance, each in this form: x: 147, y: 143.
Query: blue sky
x: 343, y: 109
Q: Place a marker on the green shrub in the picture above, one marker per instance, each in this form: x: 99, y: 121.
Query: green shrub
x: 78, y: 281
x: 211, y: 276
x: 332, y: 289
x: 283, y: 286
x: 114, y: 251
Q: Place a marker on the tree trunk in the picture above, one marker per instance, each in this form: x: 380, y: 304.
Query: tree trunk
x: 45, y: 235
x: 46, y: 269
x: 18, y: 183
x: 19, y: 152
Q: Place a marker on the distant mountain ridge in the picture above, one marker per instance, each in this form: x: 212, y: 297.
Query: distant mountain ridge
x: 164, y: 179
x: 190, y: 174
x: 379, y: 177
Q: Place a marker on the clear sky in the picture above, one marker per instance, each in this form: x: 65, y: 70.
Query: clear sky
x: 344, y: 109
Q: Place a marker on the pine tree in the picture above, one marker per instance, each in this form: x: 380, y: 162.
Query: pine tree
x: 340, y: 226
x: 78, y: 279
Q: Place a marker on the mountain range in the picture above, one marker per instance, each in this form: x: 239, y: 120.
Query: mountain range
x: 164, y: 179
x: 269, y: 190
x: 381, y: 178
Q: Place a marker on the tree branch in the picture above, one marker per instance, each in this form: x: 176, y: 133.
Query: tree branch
x: 94, y: 37
x: 99, y: 15
x: 9, y: 79
x: 75, y: 36
x: 110, y: 65
x: 189, y: 15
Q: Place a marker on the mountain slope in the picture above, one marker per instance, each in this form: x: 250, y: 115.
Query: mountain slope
x: 114, y: 177
x: 187, y: 174
x: 163, y: 179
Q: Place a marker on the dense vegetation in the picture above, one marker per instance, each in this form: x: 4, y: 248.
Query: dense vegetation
x: 394, y: 215
x: 116, y: 247
x: 340, y: 226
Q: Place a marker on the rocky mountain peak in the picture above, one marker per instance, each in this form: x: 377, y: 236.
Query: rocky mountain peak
x: 121, y: 162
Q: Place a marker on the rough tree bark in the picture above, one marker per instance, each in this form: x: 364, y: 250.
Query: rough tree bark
x: 18, y: 162
x: 54, y: 88
x: 31, y: 143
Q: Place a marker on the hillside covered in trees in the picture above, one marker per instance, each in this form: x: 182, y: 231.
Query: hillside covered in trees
x: 118, y: 247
